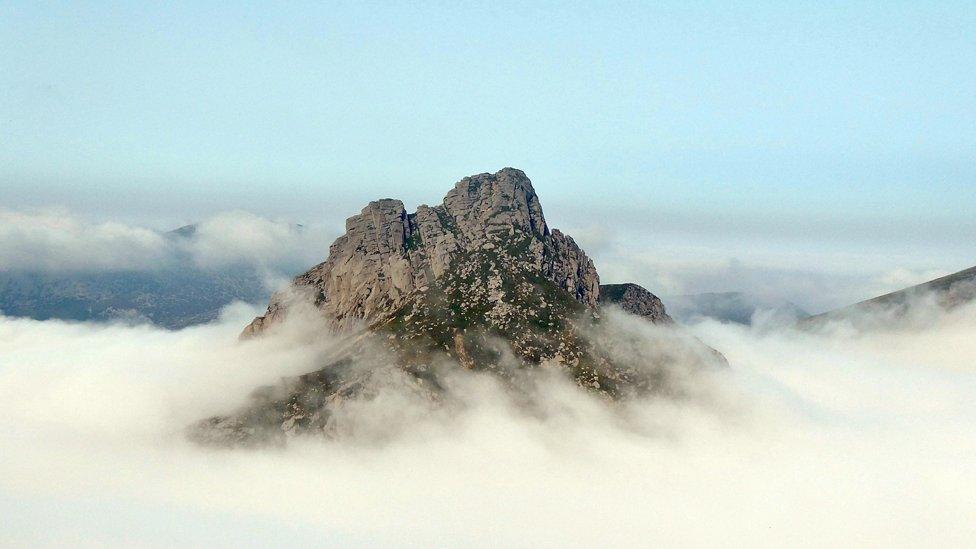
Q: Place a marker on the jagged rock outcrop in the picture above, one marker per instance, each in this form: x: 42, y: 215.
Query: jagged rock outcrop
x: 635, y: 299
x: 479, y: 282
x: 388, y: 257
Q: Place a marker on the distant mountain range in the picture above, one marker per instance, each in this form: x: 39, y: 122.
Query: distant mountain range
x: 171, y: 297
x: 736, y: 307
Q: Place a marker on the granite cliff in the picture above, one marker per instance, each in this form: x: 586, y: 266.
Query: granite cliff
x: 388, y: 259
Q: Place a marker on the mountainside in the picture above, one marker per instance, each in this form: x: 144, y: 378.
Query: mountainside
x: 478, y: 282
x: 737, y: 307
x: 896, y: 308
x: 171, y: 298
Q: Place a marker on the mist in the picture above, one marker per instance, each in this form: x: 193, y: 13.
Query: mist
x: 668, y: 259
x: 810, y: 438
x: 58, y: 240
x: 818, y: 270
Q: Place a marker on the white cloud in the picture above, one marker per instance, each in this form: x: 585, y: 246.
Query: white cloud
x: 53, y: 240
x: 242, y: 237
x: 816, y: 273
x: 826, y: 439
x: 56, y: 241
x: 900, y: 277
x: 817, y: 283
x: 817, y: 279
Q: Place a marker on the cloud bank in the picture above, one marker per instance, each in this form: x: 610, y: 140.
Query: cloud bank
x: 53, y: 240
x: 817, y: 275
x: 56, y: 241
x: 59, y: 242
x: 811, y: 439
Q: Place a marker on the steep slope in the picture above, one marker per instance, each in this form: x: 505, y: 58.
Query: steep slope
x: 900, y: 307
x: 387, y: 258
x: 479, y: 282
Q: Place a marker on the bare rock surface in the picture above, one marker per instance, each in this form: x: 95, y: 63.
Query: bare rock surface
x: 388, y: 257
x: 635, y: 299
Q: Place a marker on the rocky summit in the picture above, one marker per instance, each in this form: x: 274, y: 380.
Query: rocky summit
x: 479, y: 282
x: 636, y: 300
x: 485, y: 249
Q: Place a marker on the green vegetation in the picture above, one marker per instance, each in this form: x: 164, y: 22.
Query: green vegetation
x: 415, y: 242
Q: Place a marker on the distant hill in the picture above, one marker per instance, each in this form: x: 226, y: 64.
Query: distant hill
x: 171, y: 297
x: 737, y: 307
x: 947, y: 293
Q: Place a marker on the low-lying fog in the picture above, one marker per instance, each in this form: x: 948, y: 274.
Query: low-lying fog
x: 809, y: 439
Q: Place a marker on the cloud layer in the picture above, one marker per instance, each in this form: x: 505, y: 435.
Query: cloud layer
x: 668, y: 264
x: 832, y: 438
x: 818, y: 275
x: 55, y: 241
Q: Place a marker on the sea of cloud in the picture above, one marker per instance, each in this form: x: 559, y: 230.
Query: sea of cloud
x: 825, y: 438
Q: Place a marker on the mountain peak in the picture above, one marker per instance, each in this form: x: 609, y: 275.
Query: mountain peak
x: 489, y: 202
x: 388, y: 257
x: 478, y: 280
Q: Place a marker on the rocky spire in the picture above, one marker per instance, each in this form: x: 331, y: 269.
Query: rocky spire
x: 387, y: 257
x: 486, y: 203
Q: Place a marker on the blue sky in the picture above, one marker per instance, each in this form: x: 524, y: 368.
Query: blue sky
x: 840, y: 123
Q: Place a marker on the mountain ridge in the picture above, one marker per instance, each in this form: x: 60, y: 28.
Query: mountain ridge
x: 946, y: 292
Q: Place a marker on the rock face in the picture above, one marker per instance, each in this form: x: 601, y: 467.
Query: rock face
x: 170, y: 296
x: 479, y: 282
x: 388, y: 258
x: 635, y: 300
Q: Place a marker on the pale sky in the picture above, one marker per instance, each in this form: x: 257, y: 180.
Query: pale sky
x: 766, y: 132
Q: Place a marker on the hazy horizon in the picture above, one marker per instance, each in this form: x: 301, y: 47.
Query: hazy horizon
x: 669, y: 256
x: 780, y: 141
